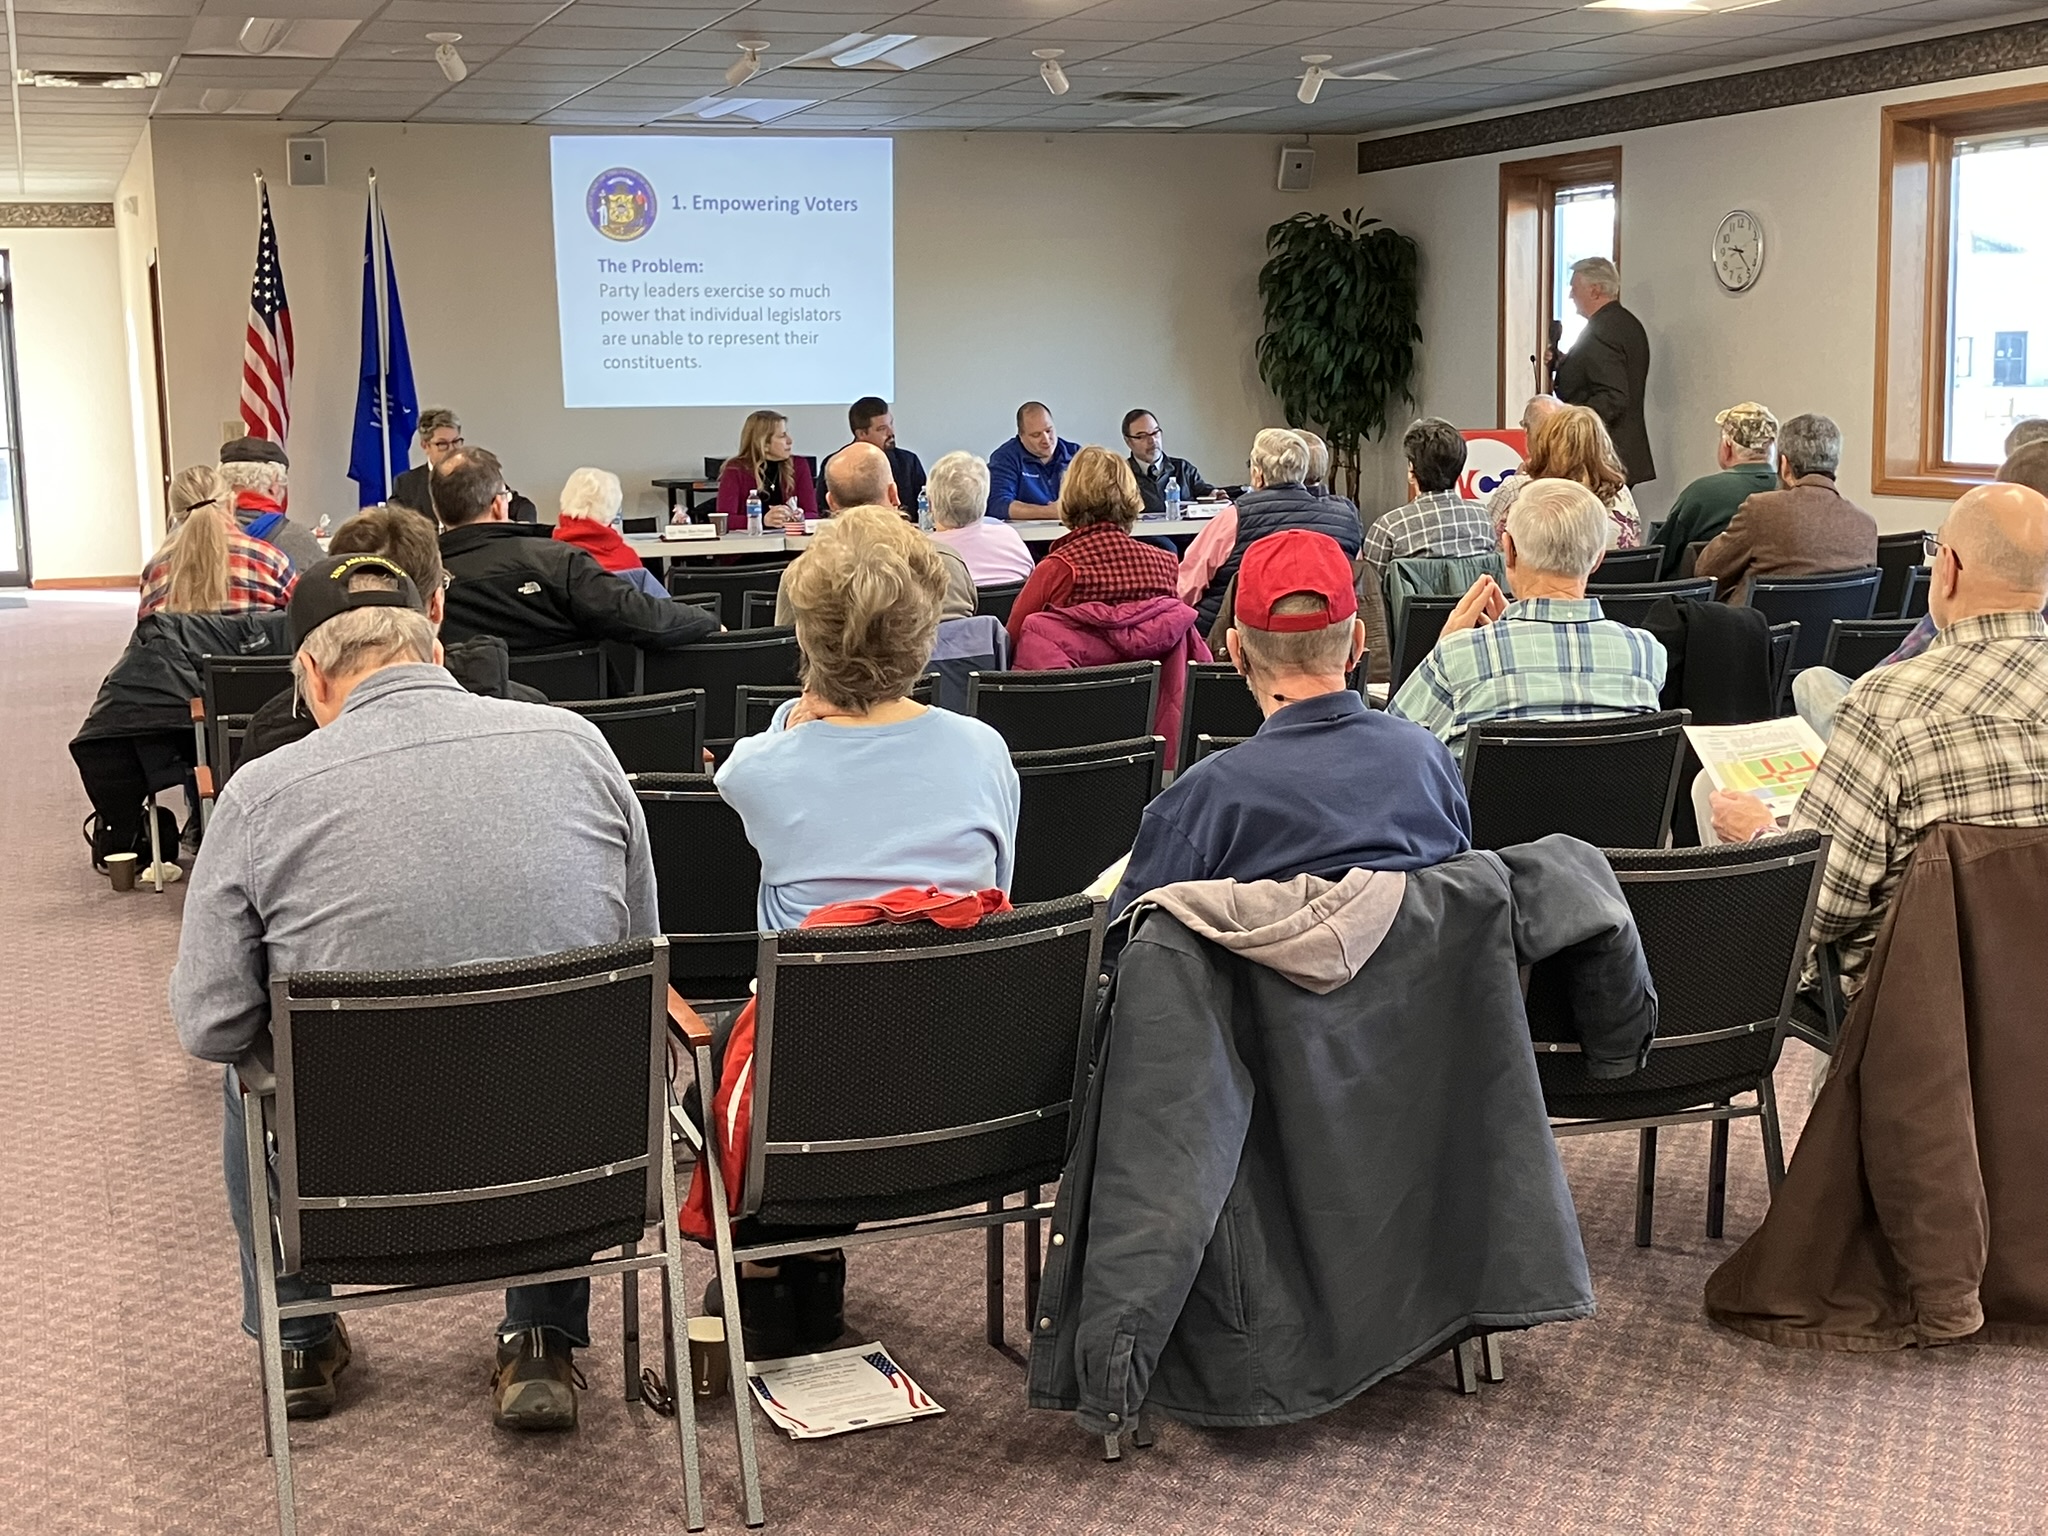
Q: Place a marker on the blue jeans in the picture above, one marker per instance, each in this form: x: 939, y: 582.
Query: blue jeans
x: 561, y: 1306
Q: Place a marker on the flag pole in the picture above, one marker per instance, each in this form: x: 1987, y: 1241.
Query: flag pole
x: 383, y: 328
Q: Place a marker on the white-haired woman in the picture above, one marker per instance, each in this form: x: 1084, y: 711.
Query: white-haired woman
x: 589, y: 518
x: 993, y: 552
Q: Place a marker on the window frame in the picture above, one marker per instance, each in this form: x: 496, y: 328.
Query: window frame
x: 1915, y: 202
x: 1528, y: 231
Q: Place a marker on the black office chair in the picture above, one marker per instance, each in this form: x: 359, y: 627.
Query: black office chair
x: 1209, y: 746
x: 1218, y: 702
x: 1784, y: 640
x: 707, y: 878
x: 1914, y: 604
x: 1609, y: 781
x: 1419, y: 627
x: 754, y: 706
x: 731, y: 582
x: 712, y: 603
x: 444, y: 1131
x: 1689, y: 561
x: 996, y: 602
x: 1078, y: 812
x: 231, y: 689
x: 1898, y: 556
x: 574, y: 672
x: 757, y: 610
x: 1631, y: 604
x: 651, y: 732
x: 1725, y: 932
x: 1814, y: 601
x: 871, y: 1103
x: 1079, y: 707
x: 1628, y: 567
x: 718, y: 664
x: 1857, y: 645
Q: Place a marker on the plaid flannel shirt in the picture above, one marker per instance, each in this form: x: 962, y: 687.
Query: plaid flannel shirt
x: 1959, y: 733
x: 258, y: 577
x: 1434, y: 523
x: 1547, y: 658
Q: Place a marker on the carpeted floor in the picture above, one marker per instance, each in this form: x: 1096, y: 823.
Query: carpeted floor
x: 128, y: 1397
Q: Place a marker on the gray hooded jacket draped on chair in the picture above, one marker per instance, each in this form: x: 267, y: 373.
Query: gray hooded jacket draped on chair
x: 1313, y: 1149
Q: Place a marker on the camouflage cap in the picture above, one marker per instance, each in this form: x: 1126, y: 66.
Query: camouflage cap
x: 1748, y: 425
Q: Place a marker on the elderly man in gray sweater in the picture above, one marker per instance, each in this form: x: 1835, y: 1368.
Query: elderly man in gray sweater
x: 394, y: 838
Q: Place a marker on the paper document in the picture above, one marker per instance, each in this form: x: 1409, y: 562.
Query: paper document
x: 841, y: 1390
x: 1773, y: 759
x: 1106, y: 883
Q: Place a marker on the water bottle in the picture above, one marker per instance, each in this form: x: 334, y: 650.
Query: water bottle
x: 924, y: 509
x: 754, y: 512
x: 1173, y: 498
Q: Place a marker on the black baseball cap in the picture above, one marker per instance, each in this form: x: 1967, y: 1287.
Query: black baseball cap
x: 324, y: 592
x: 253, y: 450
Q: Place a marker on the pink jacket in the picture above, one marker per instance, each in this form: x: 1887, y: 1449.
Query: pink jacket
x: 1160, y: 629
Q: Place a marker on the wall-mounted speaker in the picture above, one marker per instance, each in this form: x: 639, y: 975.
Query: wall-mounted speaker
x: 1297, y: 167
x: 306, y: 162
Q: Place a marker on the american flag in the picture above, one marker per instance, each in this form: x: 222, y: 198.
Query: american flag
x: 267, y: 346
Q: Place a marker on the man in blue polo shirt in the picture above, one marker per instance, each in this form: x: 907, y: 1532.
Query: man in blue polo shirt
x: 1327, y: 785
x: 1024, y: 474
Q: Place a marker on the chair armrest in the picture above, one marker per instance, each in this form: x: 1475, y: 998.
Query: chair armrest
x: 202, y: 777
x: 687, y: 1021
x: 198, y: 708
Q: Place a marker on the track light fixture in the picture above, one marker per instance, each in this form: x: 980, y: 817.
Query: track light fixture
x: 1049, y: 70
x: 748, y: 65
x: 1313, y: 78
x: 452, y: 67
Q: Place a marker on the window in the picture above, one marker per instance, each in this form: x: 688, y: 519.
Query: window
x: 1553, y: 212
x: 1963, y: 266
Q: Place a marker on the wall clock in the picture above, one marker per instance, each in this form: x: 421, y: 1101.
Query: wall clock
x: 1739, y: 250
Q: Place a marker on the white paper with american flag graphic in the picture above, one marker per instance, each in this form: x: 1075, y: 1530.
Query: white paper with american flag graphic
x: 837, y: 1392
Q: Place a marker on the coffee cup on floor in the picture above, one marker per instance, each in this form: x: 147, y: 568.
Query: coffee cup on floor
x: 710, y: 1371
x: 122, y: 869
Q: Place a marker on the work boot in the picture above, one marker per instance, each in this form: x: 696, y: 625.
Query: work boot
x: 309, y: 1375
x: 534, y: 1387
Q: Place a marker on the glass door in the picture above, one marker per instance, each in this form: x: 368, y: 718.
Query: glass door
x: 13, y: 521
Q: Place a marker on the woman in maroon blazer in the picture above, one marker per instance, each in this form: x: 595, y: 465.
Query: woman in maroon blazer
x: 766, y: 464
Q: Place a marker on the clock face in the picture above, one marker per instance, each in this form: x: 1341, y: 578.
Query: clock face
x: 1739, y: 250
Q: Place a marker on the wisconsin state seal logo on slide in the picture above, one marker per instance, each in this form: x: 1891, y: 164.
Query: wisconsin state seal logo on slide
x: 621, y: 204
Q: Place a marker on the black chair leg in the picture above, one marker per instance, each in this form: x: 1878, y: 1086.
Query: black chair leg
x: 1774, y: 1138
x: 1646, y: 1183
x: 1717, y: 1176
x: 995, y: 1281
x: 629, y: 1323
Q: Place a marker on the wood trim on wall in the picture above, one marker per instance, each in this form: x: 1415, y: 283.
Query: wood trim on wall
x: 87, y: 583
x: 1527, y: 190
x: 1916, y: 157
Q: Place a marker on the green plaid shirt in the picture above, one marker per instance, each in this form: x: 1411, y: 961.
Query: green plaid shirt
x: 1958, y: 733
x: 1548, y: 658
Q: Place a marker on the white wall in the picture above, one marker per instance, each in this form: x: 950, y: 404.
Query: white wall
x: 77, y: 427
x: 1802, y: 339
x: 1094, y: 272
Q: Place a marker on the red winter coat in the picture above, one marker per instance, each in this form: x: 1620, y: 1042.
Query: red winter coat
x: 601, y: 541
x: 1160, y: 629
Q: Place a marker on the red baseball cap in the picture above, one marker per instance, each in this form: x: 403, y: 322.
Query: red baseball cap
x: 1294, y: 563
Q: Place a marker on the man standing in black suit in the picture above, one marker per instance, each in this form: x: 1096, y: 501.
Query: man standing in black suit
x: 1609, y: 364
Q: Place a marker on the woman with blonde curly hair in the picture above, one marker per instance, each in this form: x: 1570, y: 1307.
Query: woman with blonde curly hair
x: 1572, y: 443
x: 855, y: 788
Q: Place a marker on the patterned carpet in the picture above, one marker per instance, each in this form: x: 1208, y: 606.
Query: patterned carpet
x: 129, y: 1401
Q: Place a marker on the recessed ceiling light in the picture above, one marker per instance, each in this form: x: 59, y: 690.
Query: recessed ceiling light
x: 106, y: 80
x: 883, y: 52
x: 260, y: 34
x: 752, y: 109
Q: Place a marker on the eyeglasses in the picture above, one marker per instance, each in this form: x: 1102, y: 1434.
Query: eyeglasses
x: 444, y: 444
x: 1931, y: 547
x: 1143, y: 437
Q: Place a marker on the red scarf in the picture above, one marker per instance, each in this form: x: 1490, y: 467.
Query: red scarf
x: 600, y: 540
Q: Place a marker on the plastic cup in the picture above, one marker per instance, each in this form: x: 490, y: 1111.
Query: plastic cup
x: 710, y: 1370
x: 122, y: 868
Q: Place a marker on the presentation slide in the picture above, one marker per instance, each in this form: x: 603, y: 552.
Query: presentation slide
x: 724, y: 271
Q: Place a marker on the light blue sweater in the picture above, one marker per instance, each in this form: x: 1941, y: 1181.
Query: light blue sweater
x: 842, y: 812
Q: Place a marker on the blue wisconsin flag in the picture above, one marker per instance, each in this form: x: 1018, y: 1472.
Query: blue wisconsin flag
x: 385, y: 399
